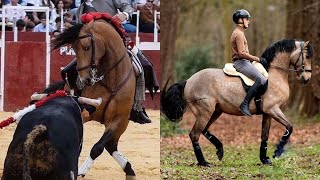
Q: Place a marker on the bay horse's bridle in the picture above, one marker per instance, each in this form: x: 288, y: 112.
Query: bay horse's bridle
x: 92, y: 65
x: 94, y: 71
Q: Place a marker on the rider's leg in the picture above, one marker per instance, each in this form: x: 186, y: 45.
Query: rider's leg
x: 137, y: 113
x: 246, y: 68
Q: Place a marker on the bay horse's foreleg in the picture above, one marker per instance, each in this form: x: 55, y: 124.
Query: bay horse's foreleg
x: 96, y: 151
x: 266, y: 122
x: 212, y: 138
x: 112, y: 148
x: 277, y: 114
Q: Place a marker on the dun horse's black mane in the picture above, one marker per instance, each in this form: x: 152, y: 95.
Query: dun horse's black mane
x: 286, y: 45
x: 69, y: 36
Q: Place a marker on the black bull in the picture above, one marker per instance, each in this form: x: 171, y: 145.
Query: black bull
x: 46, y: 143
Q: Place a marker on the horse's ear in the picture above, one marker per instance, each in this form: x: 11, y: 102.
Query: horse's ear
x: 306, y: 44
x: 90, y: 24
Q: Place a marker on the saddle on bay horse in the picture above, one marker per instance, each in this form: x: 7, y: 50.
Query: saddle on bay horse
x: 247, y: 82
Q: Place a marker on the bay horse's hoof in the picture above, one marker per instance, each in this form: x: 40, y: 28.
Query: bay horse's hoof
x: 130, y: 177
x: 204, y: 163
x: 220, y: 154
x: 266, y: 160
x: 81, y: 175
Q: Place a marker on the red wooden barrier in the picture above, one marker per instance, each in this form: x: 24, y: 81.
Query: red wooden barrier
x: 25, y: 69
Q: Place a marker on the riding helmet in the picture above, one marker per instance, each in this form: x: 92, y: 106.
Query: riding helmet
x: 242, y: 13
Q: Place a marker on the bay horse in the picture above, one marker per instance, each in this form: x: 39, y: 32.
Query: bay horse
x: 210, y: 92
x: 105, y: 68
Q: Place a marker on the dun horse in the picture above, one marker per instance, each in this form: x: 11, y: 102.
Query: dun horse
x: 105, y: 68
x: 210, y: 92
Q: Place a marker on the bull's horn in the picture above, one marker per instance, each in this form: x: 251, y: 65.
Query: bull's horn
x: 93, y: 102
x: 35, y: 96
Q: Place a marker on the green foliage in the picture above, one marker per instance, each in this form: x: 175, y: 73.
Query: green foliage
x: 241, y: 163
x: 168, y: 128
x: 192, y: 61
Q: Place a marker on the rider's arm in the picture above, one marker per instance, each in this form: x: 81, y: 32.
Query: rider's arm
x: 124, y: 7
x: 242, y: 52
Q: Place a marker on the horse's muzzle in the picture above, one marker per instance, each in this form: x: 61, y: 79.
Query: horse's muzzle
x: 88, y: 82
x: 303, y: 80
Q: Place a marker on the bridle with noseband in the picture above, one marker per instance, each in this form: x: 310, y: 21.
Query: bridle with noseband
x: 302, y: 69
x: 92, y: 65
x: 94, y: 71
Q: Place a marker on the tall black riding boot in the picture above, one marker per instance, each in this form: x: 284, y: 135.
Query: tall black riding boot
x: 139, y: 117
x: 244, y: 107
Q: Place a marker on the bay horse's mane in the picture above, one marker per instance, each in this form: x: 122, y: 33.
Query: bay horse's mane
x: 286, y: 45
x: 69, y: 36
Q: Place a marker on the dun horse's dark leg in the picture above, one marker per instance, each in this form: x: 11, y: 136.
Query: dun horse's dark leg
x: 283, y: 141
x: 277, y: 114
x: 266, y: 122
x: 96, y: 151
x: 216, y: 142
x: 112, y: 148
x: 194, y: 136
x: 212, y: 138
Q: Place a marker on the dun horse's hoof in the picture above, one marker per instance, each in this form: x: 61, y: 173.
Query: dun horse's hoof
x: 204, y: 163
x: 130, y: 177
x: 278, y: 152
x: 266, y: 160
x: 220, y: 154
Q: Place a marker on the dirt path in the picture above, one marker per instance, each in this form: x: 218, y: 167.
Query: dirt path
x: 236, y: 131
x: 140, y: 144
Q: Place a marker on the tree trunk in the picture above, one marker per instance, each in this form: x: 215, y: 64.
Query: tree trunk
x: 169, y: 19
x: 303, y: 24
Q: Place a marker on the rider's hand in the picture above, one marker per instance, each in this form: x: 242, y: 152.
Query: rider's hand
x: 264, y: 62
x: 120, y: 17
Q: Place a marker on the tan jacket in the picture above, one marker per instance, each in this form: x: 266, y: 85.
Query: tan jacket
x: 239, y: 45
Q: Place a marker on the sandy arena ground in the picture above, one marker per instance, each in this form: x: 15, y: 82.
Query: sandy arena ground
x: 140, y: 144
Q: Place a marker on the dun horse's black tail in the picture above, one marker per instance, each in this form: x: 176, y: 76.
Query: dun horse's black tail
x: 173, y: 103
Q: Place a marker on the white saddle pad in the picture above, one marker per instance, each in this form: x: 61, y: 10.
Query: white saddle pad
x: 230, y: 70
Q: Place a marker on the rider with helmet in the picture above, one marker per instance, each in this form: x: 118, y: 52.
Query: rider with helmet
x: 242, y: 58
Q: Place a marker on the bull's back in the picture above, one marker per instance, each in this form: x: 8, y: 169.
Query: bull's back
x: 55, y: 149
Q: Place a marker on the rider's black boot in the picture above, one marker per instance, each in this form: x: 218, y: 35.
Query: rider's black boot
x: 244, y: 107
x: 139, y: 116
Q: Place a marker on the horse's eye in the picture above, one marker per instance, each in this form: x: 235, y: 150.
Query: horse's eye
x: 307, y: 56
x: 86, y: 48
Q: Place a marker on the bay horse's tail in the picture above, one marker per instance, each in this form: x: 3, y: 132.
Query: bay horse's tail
x: 172, y: 102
